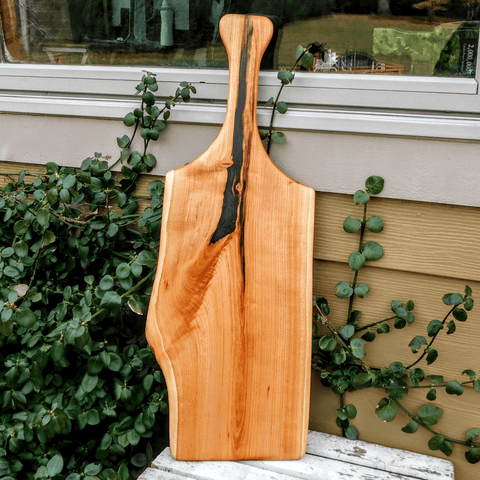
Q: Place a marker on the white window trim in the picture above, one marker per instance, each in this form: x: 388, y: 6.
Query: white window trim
x: 437, y: 107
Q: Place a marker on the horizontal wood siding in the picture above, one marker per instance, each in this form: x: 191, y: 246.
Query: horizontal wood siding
x: 430, y: 249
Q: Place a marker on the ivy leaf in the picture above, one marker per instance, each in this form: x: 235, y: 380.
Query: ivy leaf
x: 369, y: 335
x: 451, y: 327
x: 299, y: 51
x: 471, y: 434
x: 375, y: 224
x: 372, y: 250
x: 374, y: 185
x: 147, y: 258
x: 106, y: 283
x: 453, y: 299
x: 473, y: 455
x: 344, y: 289
x: 360, y: 197
x: 282, y: 107
x: 386, y: 409
x: 429, y: 414
x: 279, y: 137
x: 416, y: 343
x: 416, y: 376
x: 361, y: 290
x: 436, y: 442
x: 346, y: 331
x: 454, y: 388
x: 470, y: 373
x: 432, y: 355
x: 351, y: 432
x: 435, y: 378
x: 357, y: 346
x: 123, y: 141
x: 410, y: 427
x: 432, y: 394
x: 356, y: 260
x: 460, y: 314
x: 55, y: 465
x: 383, y: 328
x: 352, y: 225
x: 285, y: 76
x: 327, y: 343
x: 307, y: 60
x: 434, y: 327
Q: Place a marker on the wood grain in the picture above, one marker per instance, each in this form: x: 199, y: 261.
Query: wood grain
x: 235, y: 264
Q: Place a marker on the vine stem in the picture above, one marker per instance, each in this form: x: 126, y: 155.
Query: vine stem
x: 360, y: 249
x: 364, y: 327
x: 270, y: 127
x: 432, y: 340
x: 427, y: 427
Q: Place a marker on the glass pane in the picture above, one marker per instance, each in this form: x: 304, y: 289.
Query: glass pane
x: 410, y: 37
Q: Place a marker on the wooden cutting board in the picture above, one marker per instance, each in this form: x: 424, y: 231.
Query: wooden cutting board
x: 230, y: 314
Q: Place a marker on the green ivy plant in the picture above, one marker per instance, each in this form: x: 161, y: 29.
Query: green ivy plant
x: 304, y: 56
x: 81, y: 394
x: 339, y: 355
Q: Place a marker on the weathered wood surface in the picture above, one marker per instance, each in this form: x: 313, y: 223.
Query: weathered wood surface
x: 230, y: 314
x: 328, y: 457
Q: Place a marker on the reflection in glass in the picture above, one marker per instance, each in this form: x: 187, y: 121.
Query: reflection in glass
x: 411, y: 37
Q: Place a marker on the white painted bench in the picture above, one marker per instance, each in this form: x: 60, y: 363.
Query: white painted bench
x: 328, y: 458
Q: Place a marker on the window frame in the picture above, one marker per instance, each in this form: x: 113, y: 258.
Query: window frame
x: 437, y: 107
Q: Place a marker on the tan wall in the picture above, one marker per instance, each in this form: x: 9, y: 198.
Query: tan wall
x: 430, y: 248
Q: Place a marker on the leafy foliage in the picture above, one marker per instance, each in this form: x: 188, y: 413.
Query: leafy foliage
x: 339, y: 356
x: 81, y: 393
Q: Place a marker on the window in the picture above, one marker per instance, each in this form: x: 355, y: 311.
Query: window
x: 388, y: 66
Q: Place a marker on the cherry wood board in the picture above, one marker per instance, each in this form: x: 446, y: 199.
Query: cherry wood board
x: 230, y: 314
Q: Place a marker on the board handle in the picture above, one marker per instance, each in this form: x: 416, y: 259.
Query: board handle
x: 246, y: 38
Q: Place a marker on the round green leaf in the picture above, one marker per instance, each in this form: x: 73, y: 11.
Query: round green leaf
x: 95, y: 365
x: 356, y: 260
x: 92, y: 469
x: 351, y: 432
x: 453, y: 299
x: 344, y: 289
x: 148, y: 98
x: 369, y: 336
x: 139, y: 460
x: 351, y: 411
x: 436, y: 442
x: 386, y: 409
x: 25, y: 317
x: 434, y: 327
x: 357, y: 346
x: 89, y: 382
x: 21, y: 248
x: 129, y: 119
x: 454, y: 388
x: 106, y: 283
x: 383, y: 328
x: 410, y: 427
x: 346, y: 331
x: 147, y: 258
x: 279, y: 137
x: 372, y: 251
x: 55, y: 465
x: 471, y: 434
x: 307, y: 60
x: 430, y: 414
x: 416, y: 343
x: 43, y: 216
x: 361, y: 290
x: 460, y: 314
x: 282, y: 107
x: 327, y: 343
x: 374, y: 185
x: 375, y: 224
x: 432, y: 394
x: 352, y: 225
x: 360, y: 197
x: 123, y: 271
x: 473, y: 455
x: 285, y: 76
